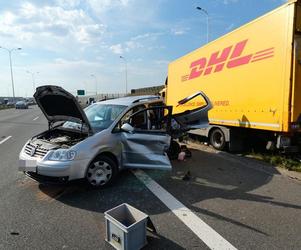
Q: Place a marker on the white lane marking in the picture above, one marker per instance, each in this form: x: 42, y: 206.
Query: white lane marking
x: 210, y: 237
x: 4, y: 140
x: 36, y: 118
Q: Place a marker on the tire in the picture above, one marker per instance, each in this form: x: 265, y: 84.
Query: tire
x: 101, y: 172
x: 217, y: 139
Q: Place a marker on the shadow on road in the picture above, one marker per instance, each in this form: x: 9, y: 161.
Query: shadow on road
x: 156, y: 241
x: 211, y: 176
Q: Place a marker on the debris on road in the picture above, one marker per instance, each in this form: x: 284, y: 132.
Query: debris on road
x: 187, y: 176
x: 181, y: 156
x: 126, y: 227
x: 14, y: 233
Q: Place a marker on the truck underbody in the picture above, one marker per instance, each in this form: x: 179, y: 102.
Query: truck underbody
x: 236, y: 139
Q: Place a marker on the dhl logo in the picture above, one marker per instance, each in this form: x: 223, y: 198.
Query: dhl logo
x: 230, y: 57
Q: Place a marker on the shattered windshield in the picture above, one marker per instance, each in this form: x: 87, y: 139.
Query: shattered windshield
x: 100, y: 116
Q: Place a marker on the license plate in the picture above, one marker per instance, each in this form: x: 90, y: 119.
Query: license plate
x: 28, y: 165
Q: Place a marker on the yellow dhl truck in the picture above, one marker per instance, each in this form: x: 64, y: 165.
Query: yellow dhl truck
x: 252, y: 76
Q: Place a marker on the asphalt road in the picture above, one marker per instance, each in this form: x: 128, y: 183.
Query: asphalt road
x: 247, y: 202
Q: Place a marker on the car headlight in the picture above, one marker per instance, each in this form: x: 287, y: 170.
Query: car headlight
x: 62, y: 155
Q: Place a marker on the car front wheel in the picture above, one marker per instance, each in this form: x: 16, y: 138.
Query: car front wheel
x: 101, y: 171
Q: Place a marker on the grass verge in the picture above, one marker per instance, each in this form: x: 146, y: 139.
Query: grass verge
x: 288, y: 162
x: 6, y: 107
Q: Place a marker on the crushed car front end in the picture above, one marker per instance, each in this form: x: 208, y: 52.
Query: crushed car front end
x: 41, y: 158
x: 54, y: 153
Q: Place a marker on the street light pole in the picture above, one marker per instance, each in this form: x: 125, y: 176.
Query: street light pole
x: 92, y: 75
x: 33, y: 79
x: 206, y: 13
x: 11, y: 68
x: 126, y: 74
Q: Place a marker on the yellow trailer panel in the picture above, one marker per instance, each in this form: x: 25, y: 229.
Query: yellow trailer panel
x: 252, y: 75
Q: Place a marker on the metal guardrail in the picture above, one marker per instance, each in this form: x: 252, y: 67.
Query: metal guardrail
x: 148, y: 90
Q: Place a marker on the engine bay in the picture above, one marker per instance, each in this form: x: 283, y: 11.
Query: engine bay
x: 61, y: 137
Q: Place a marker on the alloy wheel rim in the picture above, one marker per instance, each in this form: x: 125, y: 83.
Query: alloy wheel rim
x: 99, y: 173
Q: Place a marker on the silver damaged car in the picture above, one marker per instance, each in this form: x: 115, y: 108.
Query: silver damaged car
x: 106, y: 137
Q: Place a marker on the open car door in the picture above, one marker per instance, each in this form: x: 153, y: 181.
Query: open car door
x: 196, y: 117
x: 145, y: 138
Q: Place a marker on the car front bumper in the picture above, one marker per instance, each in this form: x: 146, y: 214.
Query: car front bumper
x: 70, y: 170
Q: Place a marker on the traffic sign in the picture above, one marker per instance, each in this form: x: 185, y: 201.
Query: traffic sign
x: 80, y: 92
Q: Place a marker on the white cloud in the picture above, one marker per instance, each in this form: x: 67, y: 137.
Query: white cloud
x: 133, y: 45
x: 49, y: 26
x: 145, y: 41
x: 162, y: 62
x: 24, y: 54
x: 68, y: 3
x: 103, y: 5
x: 70, y: 74
x: 117, y: 49
x: 8, y: 18
x: 136, y: 42
x: 229, y: 1
x: 178, y: 31
x: 28, y: 10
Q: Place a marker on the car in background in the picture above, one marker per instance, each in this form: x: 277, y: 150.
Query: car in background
x: 30, y: 102
x: 98, y: 142
x: 21, y: 105
x: 10, y: 104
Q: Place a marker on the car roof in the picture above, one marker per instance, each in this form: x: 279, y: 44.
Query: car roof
x: 129, y: 100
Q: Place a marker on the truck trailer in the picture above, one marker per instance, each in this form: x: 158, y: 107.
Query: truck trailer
x: 252, y: 76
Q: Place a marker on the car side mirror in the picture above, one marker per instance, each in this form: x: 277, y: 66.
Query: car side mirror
x: 127, y: 128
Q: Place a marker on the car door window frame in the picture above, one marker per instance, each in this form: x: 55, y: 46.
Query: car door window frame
x: 148, y: 130
x: 117, y: 127
x: 155, y: 131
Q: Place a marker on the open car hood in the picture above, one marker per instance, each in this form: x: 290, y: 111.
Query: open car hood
x: 59, y: 105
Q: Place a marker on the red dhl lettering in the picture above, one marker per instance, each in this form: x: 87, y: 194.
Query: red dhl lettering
x: 221, y: 103
x: 194, y: 104
x: 230, y: 57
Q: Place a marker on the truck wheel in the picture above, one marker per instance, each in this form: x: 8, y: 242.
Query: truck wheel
x: 217, y: 139
x: 101, y: 171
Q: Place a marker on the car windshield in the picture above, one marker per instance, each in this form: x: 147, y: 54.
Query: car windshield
x: 100, y: 116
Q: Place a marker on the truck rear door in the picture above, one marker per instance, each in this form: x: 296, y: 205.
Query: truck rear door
x: 296, y: 90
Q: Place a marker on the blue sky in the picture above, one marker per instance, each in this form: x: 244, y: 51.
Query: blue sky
x: 68, y: 40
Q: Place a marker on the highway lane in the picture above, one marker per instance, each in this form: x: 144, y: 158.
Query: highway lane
x: 47, y: 217
x: 19, y: 125
x: 249, y: 204
x: 19, y: 122
x: 31, y: 217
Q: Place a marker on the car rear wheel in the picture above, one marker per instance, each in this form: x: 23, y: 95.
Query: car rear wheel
x: 217, y: 139
x: 101, y: 171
